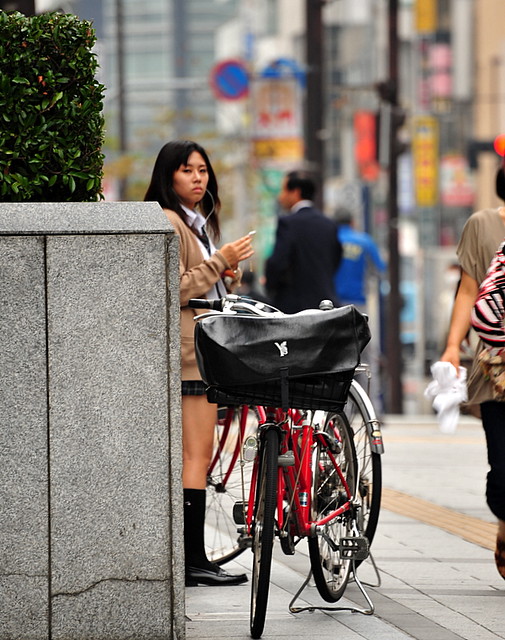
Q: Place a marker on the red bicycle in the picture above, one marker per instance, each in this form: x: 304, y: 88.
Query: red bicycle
x: 303, y: 480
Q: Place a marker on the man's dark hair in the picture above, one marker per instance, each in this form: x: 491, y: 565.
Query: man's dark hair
x: 302, y: 180
x: 343, y: 216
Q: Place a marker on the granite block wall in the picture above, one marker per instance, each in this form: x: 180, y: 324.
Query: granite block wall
x: 90, y: 452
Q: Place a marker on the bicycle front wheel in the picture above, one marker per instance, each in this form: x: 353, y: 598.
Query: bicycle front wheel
x: 263, y: 530
x: 330, y: 568
x: 228, y: 481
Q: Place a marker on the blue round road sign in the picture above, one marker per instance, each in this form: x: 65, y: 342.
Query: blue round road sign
x: 230, y: 80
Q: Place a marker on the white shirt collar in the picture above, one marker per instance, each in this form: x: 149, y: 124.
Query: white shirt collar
x: 194, y: 218
x: 301, y: 204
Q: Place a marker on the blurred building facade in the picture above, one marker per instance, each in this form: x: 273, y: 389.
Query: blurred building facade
x: 452, y: 93
x: 452, y: 76
x: 451, y: 89
x: 168, y: 52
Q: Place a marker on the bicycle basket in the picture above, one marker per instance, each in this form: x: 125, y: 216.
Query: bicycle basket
x: 302, y: 360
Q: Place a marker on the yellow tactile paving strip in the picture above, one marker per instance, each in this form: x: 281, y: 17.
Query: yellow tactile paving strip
x: 466, y: 527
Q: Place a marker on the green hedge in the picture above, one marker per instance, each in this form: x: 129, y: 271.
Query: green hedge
x: 51, y: 122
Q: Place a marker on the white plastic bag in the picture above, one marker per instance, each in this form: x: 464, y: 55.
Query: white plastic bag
x: 448, y: 391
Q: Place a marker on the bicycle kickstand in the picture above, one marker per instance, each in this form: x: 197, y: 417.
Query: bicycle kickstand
x: 312, y: 608
x: 354, y: 548
x: 376, y: 571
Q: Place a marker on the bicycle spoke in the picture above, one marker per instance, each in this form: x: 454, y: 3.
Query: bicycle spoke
x: 330, y: 565
x: 228, y: 483
x: 369, y: 463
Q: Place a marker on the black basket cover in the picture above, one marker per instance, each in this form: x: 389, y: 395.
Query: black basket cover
x: 241, y: 351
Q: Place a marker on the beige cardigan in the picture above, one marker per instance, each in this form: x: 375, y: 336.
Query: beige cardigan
x: 197, y: 276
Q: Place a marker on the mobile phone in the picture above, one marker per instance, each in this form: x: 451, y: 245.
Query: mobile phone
x: 251, y: 233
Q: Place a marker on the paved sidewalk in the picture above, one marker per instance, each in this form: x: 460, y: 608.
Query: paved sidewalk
x: 433, y: 549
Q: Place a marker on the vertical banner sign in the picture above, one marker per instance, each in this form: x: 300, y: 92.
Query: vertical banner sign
x: 456, y: 185
x: 440, y: 61
x: 425, y: 154
x: 426, y: 16
x: 277, y: 120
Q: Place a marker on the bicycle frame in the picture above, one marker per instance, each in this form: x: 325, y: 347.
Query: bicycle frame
x: 295, y: 475
x: 238, y: 446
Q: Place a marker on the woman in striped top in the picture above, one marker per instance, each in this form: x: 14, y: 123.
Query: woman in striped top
x: 477, y: 248
x: 488, y: 313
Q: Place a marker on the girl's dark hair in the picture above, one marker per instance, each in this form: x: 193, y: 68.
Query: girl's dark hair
x: 171, y: 156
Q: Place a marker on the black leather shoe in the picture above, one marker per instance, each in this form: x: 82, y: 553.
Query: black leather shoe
x: 215, y: 577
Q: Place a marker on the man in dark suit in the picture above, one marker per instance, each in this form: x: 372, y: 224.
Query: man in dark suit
x: 299, y: 273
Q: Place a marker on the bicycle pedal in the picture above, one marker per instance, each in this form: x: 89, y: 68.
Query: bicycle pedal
x: 286, y: 459
x: 239, y: 513
x: 355, y: 548
x: 244, y: 540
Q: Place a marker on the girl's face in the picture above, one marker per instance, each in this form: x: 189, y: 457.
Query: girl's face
x: 190, y: 180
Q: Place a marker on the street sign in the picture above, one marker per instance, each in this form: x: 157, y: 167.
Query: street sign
x: 285, y: 68
x: 229, y: 80
x: 276, y: 108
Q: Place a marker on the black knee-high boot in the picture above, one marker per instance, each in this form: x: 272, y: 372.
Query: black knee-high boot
x: 199, y: 570
x: 194, y: 521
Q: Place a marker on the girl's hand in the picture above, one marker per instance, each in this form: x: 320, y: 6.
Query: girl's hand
x: 235, y: 252
x: 451, y: 354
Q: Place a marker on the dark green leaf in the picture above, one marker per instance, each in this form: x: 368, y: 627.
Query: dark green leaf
x: 50, y: 146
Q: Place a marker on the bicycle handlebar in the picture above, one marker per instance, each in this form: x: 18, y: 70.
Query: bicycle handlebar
x: 232, y: 303
x: 235, y: 304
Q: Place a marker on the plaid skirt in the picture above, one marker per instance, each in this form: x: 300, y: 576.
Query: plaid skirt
x: 193, y: 388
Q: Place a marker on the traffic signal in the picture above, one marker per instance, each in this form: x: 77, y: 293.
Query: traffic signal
x: 390, y: 120
x: 398, y: 120
x: 365, y: 147
x: 499, y: 145
x: 476, y: 147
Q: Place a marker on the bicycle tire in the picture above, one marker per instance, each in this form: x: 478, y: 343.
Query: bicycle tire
x: 330, y: 569
x: 362, y: 420
x: 228, y: 480
x: 263, y: 530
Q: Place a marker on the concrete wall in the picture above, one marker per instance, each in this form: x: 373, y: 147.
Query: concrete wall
x: 90, y: 451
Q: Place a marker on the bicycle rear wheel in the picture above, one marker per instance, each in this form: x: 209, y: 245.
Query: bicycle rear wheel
x: 228, y: 481
x: 330, y: 568
x: 263, y: 530
x: 363, y: 421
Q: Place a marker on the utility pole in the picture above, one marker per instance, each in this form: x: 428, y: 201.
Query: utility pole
x: 393, y: 342
x: 121, y: 97
x: 179, y: 38
x: 314, y: 102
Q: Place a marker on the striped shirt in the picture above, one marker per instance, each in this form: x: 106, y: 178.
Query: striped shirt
x: 488, y: 313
